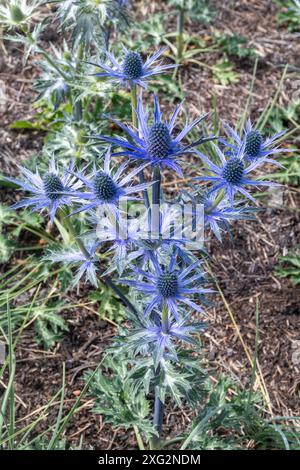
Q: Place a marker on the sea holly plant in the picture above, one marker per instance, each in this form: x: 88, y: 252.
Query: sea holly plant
x: 168, y: 291
x: 131, y: 237
x: 65, y: 69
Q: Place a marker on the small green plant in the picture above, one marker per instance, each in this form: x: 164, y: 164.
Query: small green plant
x: 147, y: 33
x: 289, y: 14
x: 45, y: 118
x: 290, y: 173
x: 200, y: 11
x: 235, y: 46
x: 108, y: 304
x: 230, y: 421
x: 50, y: 327
x: 282, y: 116
x: 11, y: 226
x: 280, y: 119
x: 289, y: 266
x: 223, y: 72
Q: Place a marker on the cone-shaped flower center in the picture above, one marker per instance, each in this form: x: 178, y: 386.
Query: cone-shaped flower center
x: 133, y: 65
x: 167, y: 284
x: 104, y: 187
x: 233, y: 171
x: 159, y: 141
x: 53, y: 186
x: 253, y: 144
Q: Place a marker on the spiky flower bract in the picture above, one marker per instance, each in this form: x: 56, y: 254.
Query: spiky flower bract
x: 232, y: 175
x: 108, y: 188
x: 162, y: 340
x: 90, y: 20
x: 49, y: 191
x: 155, y: 142
x: 217, y: 217
x: 15, y: 13
x: 132, y: 240
x: 122, y: 234
x: 87, y: 263
x: 169, y: 285
x: 217, y: 212
x: 254, y: 145
x: 54, y: 83
x: 133, y: 70
x: 170, y: 237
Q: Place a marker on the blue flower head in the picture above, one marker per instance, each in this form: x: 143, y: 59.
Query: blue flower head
x: 107, y: 188
x: 232, y: 175
x: 168, y: 286
x: 133, y: 70
x: 50, y: 191
x: 155, y: 142
x: 255, y: 147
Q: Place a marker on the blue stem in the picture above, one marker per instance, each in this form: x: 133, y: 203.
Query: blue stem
x: 155, y: 216
x: 155, y: 226
x: 158, y: 417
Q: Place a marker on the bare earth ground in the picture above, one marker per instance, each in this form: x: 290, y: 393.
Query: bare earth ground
x: 244, y: 267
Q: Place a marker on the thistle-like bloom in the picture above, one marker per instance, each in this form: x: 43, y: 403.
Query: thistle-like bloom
x: 133, y: 70
x: 154, y: 143
x: 14, y: 13
x: 107, y: 188
x: 170, y: 237
x: 162, y: 339
x: 255, y: 147
x: 217, y: 216
x: 232, y: 175
x: 53, y: 84
x: 130, y: 238
x: 122, y: 234
x: 88, y: 18
x: 168, y: 286
x: 50, y: 191
x: 87, y: 263
x: 218, y: 213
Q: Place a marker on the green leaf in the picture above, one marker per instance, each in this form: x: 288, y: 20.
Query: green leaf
x: 49, y: 327
x: 289, y: 15
x: 28, y: 125
x: 109, y: 305
x: 289, y: 267
x: 117, y: 397
x: 235, y: 45
x: 224, y: 73
x: 6, y: 248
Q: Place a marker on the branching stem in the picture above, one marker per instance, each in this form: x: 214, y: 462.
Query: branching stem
x: 155, y: 226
